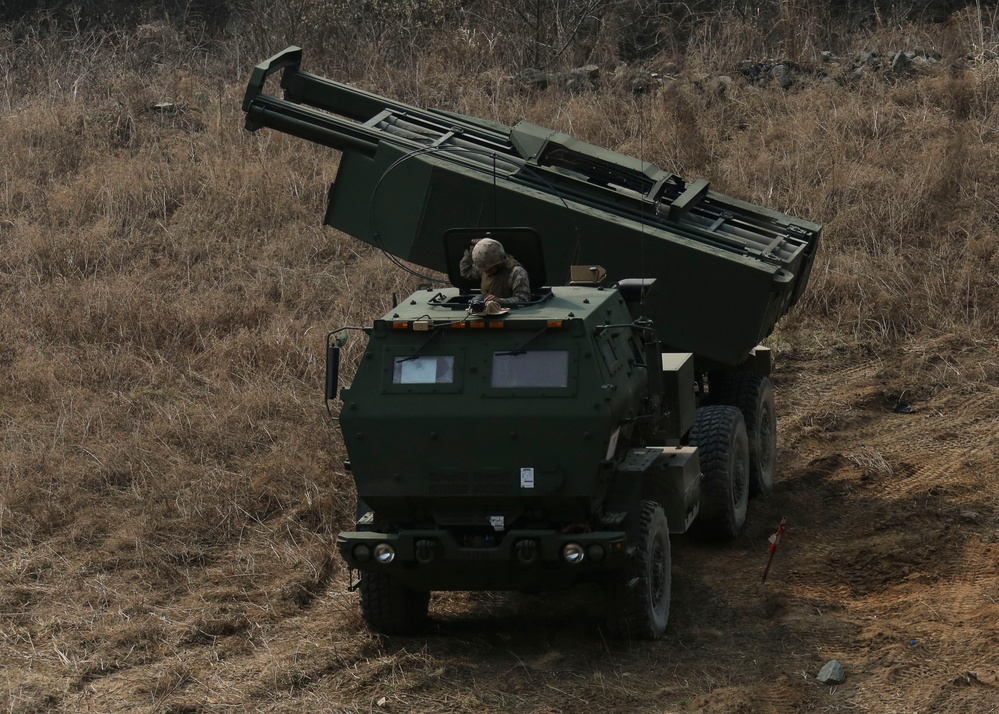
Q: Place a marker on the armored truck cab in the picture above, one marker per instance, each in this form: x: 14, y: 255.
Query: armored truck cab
x: 535, y: 449
x: 520, y: 422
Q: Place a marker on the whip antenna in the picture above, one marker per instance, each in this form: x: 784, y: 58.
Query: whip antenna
x: 641, y: 208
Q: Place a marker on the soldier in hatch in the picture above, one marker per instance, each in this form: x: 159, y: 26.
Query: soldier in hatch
x: 503, y: 280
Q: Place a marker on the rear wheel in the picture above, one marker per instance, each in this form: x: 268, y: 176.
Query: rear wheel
x: 638, y: 602
x: 753, y: 394
x: 719, y: 433
x: 390, y: 608
x: 755, y: 398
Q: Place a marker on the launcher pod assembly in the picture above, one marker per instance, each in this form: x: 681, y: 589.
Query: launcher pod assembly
x: 725, y: 270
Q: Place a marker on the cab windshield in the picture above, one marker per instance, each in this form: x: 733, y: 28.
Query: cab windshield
x: 531, y: 369
x: 431, y: 369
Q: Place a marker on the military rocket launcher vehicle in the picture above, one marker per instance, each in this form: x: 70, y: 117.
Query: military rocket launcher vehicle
x: 561, y: 442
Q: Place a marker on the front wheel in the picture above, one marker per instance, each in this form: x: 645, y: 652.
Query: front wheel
x: 638, y: 602
x: 390, y: 608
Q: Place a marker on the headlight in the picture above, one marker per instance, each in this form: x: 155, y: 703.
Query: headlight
x: 572, y: 553
x: 384, y: 553
x: 362, y: 553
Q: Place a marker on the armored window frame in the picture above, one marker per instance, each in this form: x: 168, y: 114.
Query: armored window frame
x: 563, y: 388
x: 610, y: 352
x: 391, y: 358
x: 424, y: 369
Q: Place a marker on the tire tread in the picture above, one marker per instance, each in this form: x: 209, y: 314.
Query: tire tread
x: 715, y: 434
x: 630, y: 610
x: 390, y: 608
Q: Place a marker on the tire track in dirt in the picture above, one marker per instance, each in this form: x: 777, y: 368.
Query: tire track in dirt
x: 881, y: 552
x: 910, y: 559
x: 813, y: 405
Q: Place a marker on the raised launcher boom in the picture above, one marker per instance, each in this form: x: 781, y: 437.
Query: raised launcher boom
x: 726, y: 270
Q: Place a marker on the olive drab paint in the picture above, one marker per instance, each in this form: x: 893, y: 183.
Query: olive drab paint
x: 726, y: 270
x: 561, y: 441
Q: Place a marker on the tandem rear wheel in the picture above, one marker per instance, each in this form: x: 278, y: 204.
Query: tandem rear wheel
x: 719, y: 433
x: 753, y: 394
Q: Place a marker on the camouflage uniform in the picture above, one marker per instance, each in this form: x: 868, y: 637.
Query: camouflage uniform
x: 510, y: 283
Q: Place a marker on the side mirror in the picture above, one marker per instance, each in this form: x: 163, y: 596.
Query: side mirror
x: 333, y: 346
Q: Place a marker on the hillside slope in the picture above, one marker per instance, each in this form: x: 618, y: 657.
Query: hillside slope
x: 171, y: 485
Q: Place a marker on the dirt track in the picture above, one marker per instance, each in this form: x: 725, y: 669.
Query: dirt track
x: 888, y: 565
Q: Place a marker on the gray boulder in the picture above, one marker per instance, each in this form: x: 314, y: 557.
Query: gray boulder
x: 832, y: 673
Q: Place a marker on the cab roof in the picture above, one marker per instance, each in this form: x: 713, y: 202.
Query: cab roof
x: 595, y: 306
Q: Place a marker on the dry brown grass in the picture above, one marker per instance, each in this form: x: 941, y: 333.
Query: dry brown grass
x: 170, y: 484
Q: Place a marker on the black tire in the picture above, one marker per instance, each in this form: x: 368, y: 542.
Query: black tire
x: 638, y: 600
x: 719, y: 433
x: 754, y: 395
x: 390, y: 608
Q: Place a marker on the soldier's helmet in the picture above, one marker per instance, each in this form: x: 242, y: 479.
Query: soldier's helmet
x: 488, y: 253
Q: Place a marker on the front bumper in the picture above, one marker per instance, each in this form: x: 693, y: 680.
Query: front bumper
x: 516, y: 560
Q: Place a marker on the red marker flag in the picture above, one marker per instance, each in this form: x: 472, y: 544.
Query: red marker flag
x: 774, y: 543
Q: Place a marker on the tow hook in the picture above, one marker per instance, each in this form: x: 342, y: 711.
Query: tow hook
x: 527, y: 551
